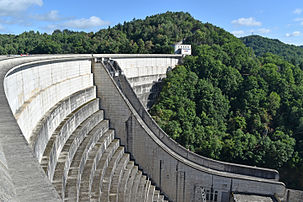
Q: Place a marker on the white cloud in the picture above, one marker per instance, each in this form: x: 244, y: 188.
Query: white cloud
x: 246, y: 22
x: 53, y: 15
x: 238, y: 33
x: 51, y: 27
x: 297, y: 11
x: 91, y: 23
x: 295, y: 33
x: 263, y: 31
x: 1, y: 28
x: 85, y: 23
x: 298, y: 19
x: 16, y: 20
x: 11, y: 7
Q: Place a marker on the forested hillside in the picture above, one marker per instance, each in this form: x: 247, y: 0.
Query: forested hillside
x: 155, y: 34
x: 224, y: 102
x: 262, y: 45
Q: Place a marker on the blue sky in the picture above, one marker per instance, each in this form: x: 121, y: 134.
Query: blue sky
x: 279, y: 19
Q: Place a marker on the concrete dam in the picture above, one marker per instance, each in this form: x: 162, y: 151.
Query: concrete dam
x: 76, y: 128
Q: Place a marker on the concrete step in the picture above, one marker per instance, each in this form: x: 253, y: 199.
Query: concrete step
x: 62, y: 133
x: 127, y: 195
x: 117, y: 178
x: 91, y: 162
x: 124, y: 181
x: 91, y: 166
x: 156, y: 197
x: 78, y: 163
x: 109, y: 173
x: 151, y: 193
x: 67, y: 152
x: 146, y: 190
x: 98, y: 157
x: 97, y: 134
x: 134, y: 191
x: 52, y: 119
x: 140, y: 193
x: 101, y: 168
x: 161, y: 198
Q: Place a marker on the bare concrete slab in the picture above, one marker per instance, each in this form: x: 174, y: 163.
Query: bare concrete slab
x: 251, y: 198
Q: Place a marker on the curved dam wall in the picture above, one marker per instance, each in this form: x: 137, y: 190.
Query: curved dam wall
x: 55, y: 144
x: 23, y: 178
x: 72, y: 130
x: 146, y: 73
x: 123, y: 82
x: 181, y: 175
x: 32, y: 90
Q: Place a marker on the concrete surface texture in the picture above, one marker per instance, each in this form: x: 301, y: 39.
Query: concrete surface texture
x: 73, y: 130
x: 250, y: 198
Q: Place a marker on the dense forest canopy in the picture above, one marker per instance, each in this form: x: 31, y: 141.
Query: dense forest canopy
x: 262, y: 45
x: 224, y: 102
